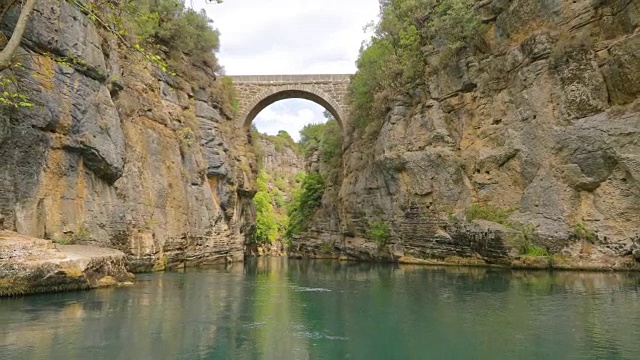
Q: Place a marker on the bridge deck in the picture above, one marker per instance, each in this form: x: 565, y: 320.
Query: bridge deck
x: 290, y: 78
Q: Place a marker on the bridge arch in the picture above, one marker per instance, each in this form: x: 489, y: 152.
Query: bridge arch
x: 269, y: 97
x: 255, y: 93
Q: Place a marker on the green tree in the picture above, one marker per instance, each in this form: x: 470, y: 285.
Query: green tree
x: 172, y: 24
x: 310, y: 138
x: 266, y: 221
x: 305, y: 202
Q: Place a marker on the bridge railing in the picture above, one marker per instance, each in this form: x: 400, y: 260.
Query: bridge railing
x: 289, y: 78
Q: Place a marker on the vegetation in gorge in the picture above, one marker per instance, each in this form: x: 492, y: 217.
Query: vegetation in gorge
x: 275, y: 191
x: 11, y: 46
x: 320, y: 144
x: 325, y: 142
x: 9, y: 93
x: 267, y: 221
x: 407, y: 33
x: 582, y: 233
x: 325, y: 138
x: 160, y: 30
x: 305, y: 201
x: 378, y: 231
x: 524, y: 237
x: 489, y: 213
x: 171, y: 24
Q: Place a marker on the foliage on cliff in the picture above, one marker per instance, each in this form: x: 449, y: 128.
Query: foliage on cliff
x: 321, y: 144
x: 280, y: 141
x: 305, y: 201
x: 162, y: 31
x: 395, y: 55
x: 325, y: 141
x: 325, y: 138
x: 275, y: 191
x: 171, y: 24
x: 266, y: 220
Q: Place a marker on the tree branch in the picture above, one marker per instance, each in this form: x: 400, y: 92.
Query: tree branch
x: 7, y: 53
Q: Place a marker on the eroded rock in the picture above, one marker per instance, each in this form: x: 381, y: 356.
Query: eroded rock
x: 30, y: 266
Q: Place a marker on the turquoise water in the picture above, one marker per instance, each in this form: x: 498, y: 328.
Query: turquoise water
x: 294, y: 309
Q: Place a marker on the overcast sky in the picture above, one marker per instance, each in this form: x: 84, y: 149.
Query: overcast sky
x: 270, y: 37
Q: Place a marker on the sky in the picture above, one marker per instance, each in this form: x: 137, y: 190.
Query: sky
x: 260, y: 37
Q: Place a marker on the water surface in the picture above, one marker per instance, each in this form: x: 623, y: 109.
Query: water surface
x: 290, y: 309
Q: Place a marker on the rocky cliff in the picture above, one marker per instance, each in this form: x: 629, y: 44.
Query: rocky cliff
x: 118, y: 153
x: 280, y: 166
x: 534, y: 141
x: 279, y: 160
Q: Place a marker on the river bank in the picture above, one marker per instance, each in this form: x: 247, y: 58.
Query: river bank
x: 582, y: 256
x: 30, y: 265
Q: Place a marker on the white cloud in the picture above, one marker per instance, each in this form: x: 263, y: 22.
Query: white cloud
x: 290, y: 37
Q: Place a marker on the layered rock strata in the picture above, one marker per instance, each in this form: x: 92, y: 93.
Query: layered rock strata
x: 544, y: 126
x: 119, y: 154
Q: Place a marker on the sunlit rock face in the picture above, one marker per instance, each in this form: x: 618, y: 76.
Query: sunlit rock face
x: 545, y: 123
x: 119, y: 154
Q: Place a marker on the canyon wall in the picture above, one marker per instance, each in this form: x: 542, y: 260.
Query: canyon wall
x: 542, y: 126
x: 117, y: 153
x: 279, y: 160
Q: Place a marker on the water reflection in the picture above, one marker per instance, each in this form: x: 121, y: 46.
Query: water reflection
x: 286, y: 309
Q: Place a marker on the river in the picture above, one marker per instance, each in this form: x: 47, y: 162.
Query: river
x: 299, y: 309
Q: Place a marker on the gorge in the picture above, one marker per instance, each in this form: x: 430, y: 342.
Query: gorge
x: 479, y: 151
x: 515, y: 144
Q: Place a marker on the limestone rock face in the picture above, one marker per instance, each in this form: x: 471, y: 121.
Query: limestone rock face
x: 118, y: 154
x: 280, y: 162
x: 546, y: 122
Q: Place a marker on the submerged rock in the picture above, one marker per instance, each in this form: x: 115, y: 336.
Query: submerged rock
x: 31, y: 265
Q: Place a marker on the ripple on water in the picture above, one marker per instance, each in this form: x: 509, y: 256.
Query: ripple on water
x: 316, y: 335
x: 255, y: 325
x: 307, y: 289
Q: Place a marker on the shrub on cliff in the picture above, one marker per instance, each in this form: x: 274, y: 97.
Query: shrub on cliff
x: 395, y: 57
x: 325, y: 138
x: 266, y: 220
x: 378, y: 231
x: 305, y: 202
x: 171, y: 24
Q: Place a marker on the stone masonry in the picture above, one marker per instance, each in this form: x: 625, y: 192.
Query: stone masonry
x: 256, y: 92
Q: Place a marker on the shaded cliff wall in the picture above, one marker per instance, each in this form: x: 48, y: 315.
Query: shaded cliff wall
x: 546, y: 123
x: 119, y: 154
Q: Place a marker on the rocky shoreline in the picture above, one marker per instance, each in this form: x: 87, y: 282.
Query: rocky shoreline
x: 520, y: 263
x: 579, y: 256
x: 30, y: 266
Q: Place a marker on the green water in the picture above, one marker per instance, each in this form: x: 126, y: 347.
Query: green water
x: 287, y: 309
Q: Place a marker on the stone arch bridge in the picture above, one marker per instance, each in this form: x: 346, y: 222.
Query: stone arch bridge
x: 256, y: 92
